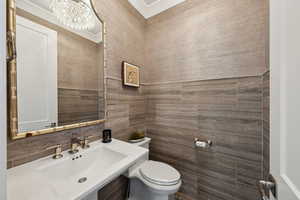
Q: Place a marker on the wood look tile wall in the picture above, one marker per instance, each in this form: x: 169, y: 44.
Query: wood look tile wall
x: 126, y: 109
x: 226, y: 111
x: 207, y: 39
x: 75, y: 106
x: 125, y: 42
x: 196, y: 40
x: 266, y: 123
x: 205, y: 61
x: 116, y: 190
x: 125, y: 35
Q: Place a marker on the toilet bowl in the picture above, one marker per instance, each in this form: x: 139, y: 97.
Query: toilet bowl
x: 152, y: 180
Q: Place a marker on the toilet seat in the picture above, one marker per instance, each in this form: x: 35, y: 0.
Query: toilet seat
x: 159, y: 173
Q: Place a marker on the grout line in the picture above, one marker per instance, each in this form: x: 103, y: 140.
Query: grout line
x: 192, y: 80
x: 262, y: 126
x: 196, y: 80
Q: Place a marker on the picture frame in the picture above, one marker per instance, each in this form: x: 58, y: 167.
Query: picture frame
x: 131, y: 75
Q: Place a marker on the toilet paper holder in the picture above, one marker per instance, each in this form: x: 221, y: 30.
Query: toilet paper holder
x: 202, y: 144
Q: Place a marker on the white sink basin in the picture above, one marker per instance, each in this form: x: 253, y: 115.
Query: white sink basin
x: 50, y: 179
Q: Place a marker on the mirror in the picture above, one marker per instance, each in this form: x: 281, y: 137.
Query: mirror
x: 59, y: 64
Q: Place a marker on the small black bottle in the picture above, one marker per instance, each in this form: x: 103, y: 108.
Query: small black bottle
x: 106, y: 137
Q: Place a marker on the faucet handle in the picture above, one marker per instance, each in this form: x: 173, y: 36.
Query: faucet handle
x: 74, y: 148
x: 86, y: 142
x: 75, y: 142
x: 58, y: 151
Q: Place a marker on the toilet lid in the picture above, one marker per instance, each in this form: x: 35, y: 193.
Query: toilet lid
x: 159, y: 173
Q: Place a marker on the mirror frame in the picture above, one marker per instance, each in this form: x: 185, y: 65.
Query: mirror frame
x: 12, y: 110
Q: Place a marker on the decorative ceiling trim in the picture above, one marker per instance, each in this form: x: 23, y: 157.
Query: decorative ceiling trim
x: 149, y: 10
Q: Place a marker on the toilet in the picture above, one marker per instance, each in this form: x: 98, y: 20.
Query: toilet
x: 152, y: 180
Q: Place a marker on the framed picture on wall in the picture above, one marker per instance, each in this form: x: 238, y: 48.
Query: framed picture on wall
x: 131, y: 75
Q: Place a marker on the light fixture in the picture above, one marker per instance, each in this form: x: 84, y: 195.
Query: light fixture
x: 76, y: 14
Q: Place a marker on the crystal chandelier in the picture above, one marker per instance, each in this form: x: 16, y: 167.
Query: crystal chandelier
x: 76, y: 14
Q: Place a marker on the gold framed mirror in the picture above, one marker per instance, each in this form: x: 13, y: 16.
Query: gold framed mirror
x: 56, y: 66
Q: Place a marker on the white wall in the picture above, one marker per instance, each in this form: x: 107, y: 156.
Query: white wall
x: 285, y: 86
x: 3, y: 135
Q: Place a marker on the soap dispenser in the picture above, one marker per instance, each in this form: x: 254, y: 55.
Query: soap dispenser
x: 106, y: 137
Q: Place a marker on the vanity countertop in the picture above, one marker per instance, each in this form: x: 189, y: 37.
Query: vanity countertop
x: 50, y: 179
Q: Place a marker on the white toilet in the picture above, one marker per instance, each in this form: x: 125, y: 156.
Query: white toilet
x: 151, y: 180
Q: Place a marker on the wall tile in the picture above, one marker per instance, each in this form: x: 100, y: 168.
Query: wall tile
x: 266, y: 124
x: 213, y: 40
x: 207, y: 39
x: 226, y: 111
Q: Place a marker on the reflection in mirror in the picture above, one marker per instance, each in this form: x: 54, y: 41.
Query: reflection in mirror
x: 59, y: 64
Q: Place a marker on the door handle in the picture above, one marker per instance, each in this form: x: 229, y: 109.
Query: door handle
x: 265, y: 187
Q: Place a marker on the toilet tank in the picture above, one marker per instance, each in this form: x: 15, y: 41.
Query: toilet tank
x: 145, y: 143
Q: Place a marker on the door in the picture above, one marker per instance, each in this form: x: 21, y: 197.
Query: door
x: 285, y: 97
x: 37, y: 75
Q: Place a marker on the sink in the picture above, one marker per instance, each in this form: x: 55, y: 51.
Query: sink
x: 73, y: 176
x: 81, y: 164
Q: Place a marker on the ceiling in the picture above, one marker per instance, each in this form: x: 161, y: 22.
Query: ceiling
x: 149, y: 8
